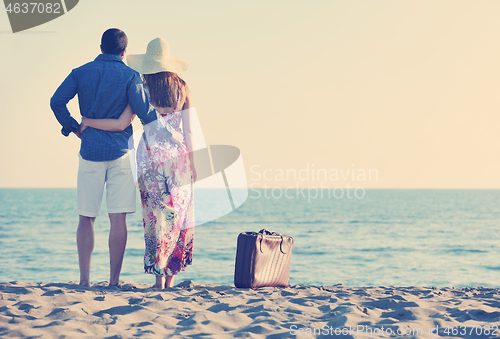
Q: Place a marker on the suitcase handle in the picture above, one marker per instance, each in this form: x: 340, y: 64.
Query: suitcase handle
x: 290, y: 243
x: 267, y: 232
x: 284, y: 249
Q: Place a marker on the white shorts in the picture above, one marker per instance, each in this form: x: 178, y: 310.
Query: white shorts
x: 120, y: 186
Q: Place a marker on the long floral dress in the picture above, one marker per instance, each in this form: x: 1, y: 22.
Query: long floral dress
x: 166, y: 187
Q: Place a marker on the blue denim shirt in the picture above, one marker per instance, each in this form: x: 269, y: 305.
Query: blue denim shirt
x: 104, y: 88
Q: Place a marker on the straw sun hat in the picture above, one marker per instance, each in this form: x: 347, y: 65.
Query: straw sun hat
x: 157, y: 59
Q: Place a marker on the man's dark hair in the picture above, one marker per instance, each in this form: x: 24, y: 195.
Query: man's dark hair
x: 114, y: 41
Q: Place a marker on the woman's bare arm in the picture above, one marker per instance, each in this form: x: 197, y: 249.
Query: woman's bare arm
x: 187, y: 124
x: 112, y: 125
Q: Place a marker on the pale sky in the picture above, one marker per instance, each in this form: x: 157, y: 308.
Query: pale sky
x: 409, y: 89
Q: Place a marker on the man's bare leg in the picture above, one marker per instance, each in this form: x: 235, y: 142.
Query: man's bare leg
x: 85, y: 245
x: 117, y: 243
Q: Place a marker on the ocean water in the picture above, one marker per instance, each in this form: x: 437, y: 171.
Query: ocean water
x: 392, y: 237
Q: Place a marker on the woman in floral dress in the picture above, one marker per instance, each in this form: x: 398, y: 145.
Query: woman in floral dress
x: 165, y: 167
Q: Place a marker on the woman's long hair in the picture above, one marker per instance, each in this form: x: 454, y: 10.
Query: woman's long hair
x: 163, y: 88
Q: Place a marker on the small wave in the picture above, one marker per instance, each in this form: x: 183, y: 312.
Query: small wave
x: 395, y: 222
x: 311, y: 252
x: 134, y: 252
x: 493, y: 268
x: 358, y: 258
x: 385, y: 249
x: 271, y: 222
x: 464, y: 250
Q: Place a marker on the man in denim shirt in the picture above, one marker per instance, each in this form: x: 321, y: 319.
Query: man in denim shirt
x: 104, y: 87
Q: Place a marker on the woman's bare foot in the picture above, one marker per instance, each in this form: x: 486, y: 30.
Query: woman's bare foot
x: 169, y: 281
x: 160, y: 282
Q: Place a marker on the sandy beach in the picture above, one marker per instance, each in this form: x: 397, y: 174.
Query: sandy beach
x: 193, y: 310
